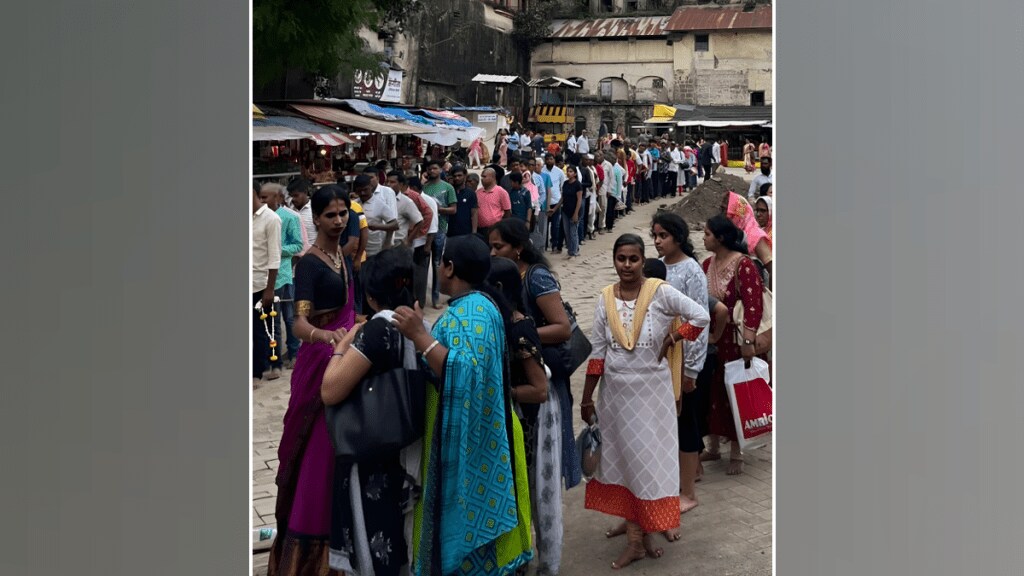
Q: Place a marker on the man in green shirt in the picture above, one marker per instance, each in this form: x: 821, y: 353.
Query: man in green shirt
x: 447, y: 205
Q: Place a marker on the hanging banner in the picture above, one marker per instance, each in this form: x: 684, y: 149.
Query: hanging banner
x: 380, y: 87
x: 393, y: 88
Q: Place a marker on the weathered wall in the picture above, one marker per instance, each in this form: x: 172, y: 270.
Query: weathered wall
x: 736, y: 63
x: 633, y: 64
x: 459, y: 39
x: 616, y: 117
x: 449, y: 43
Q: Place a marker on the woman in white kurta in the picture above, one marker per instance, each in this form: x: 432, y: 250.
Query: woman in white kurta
x: 638, y: 475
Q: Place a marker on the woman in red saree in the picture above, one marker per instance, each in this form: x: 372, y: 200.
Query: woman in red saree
x: 748, y: 156
x: 759, y: 243
x: 732, y: 277
x: 324, y: 313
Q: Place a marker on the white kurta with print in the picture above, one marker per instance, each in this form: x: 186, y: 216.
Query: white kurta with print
x: 636, y: 407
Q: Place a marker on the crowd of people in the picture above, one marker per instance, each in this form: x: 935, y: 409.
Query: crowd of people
x: 343, y: 271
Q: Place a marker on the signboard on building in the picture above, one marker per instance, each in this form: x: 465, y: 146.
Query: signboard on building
x: 381, y: 87
x: 485, y: 118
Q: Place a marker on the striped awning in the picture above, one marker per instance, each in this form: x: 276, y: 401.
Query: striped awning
x: 345, y: 118
x: 332, y: 139
x: 551, y: 114
x: 295, y: 128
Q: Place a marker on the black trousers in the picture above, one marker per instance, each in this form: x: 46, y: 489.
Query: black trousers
x: 609, y: 217
x: 260, y: 340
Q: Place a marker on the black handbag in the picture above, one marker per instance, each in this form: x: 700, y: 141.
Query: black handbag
x: 578, y: 348
x: 384, y: 413
x: 570, y: 354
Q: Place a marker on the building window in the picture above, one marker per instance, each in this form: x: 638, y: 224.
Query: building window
x: 607, y: 6
x: 632, y: 5
x: 701, y: 42
x: 757, y: 98
x: 658, y: 83
x: 606, y: 90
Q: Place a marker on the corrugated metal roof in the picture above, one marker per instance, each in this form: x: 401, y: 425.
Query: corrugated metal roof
x: 690, y: 18
x: 609, y: 27
x: 736, y: 113
x: 552, y: 82
x: 496, y: 79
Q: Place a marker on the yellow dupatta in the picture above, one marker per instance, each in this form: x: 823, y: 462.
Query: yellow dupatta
x: 628, y: 341
x: 643, y: 301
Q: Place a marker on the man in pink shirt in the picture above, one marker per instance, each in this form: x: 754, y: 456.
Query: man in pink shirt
x: 493, y: 203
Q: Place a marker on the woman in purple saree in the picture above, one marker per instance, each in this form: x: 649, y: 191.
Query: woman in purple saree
x: 324, y: 313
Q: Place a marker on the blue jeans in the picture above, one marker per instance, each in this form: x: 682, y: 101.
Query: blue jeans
x: 571, y: 234
x: 539, y: 236
x: 286, y: 315
x: 556, y: 230
x: 435, y: 262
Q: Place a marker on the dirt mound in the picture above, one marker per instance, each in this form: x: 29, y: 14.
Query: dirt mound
x: 706, y: 201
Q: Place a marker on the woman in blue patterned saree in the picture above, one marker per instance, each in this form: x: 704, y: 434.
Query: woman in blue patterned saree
x: 474, y: 514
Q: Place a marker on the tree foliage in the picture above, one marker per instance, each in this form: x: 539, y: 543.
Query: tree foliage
x: 321, y: 37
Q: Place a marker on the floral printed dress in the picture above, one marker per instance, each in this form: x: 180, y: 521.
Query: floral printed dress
x: 371, y: 496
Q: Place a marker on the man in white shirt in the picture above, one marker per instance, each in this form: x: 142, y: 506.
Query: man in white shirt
x: 591, y: 203
x: 426, y: 242
x: 676, y: 173
x: 555, y: 202
x: 716, y: 155
x: 582, y: 144
x: 386, y: 193
x: 299, y: 190
x: 410, y: 221
x: 524, y: 142
x: 644, y: 167
x: 381, y: 218
x: 571, y: 146
x: 606, y: 186
x: 266, y: 260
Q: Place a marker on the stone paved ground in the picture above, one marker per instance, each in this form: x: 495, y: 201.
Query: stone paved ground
x: 730, y: 533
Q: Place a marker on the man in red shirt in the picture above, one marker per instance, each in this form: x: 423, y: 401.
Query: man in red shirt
x: 493, y: 203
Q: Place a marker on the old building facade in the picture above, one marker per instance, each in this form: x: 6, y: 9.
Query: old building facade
x: 697, y: 55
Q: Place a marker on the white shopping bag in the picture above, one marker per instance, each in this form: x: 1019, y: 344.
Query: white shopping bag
x: 750, y: 397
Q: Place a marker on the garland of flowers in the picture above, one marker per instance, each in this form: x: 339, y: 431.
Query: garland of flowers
x: 272, y: 329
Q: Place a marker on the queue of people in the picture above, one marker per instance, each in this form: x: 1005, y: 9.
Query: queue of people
x: 480, y: 490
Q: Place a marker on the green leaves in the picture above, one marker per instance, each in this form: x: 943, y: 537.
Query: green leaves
x: 320, y: 37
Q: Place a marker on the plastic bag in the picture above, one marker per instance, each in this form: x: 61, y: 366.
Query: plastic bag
x: 588, y: 446
x: 751, y: 399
